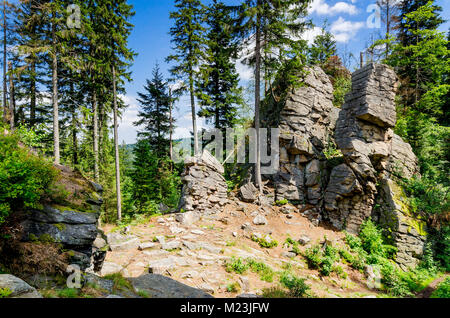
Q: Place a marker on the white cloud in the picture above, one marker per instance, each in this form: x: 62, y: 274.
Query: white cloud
x: 310, y: 34
x: 344, y: 30
x: 320, y: 7
x: 127, y: 131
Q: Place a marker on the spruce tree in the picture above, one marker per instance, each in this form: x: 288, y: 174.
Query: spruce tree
x: 155, y: 114
x: 188, y: 39
x: 218, y: 87
x: 323, y: 47
x: 280, y: 24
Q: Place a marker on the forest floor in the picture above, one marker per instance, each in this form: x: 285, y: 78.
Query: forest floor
x: 203, y: 249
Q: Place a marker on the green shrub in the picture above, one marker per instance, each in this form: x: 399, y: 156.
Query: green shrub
x: 443, y: 290
x: 233, y: 288
x: 274, y: 292
x: 265, y: 243
x: 296, y: 286
x: 265, y: 272
x: 236, y: 265
x: 25, y: 178
x: 5, y: 292
x: 282, y: 202
x: 322, y: 258
x: 68, y: 293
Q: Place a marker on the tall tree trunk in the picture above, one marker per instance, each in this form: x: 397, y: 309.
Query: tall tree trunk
x: 74, y: 128
x: 116, y: 147
x: 5, y: 91
x: 194, y: 115
x: 33, y: 93
x: 12, y: 101
x: 258, y: 178
x: 55, y: 95
x: 95, y: 134
x: 171, y: 126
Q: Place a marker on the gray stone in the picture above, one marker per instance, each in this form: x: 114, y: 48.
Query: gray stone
x: 304, y: 240
x: 158, y: 286
x: 260, y: 220
x: 187, y: 218
x: 18, y: 288
x: 147, y: 245
x: 172, y: 245
x: 248, y: 192
x: 119, y: 242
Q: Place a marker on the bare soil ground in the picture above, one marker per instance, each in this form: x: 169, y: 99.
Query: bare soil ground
x: 204, y: 268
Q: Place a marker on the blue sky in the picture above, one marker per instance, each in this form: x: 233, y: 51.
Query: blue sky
x: 347, y: 20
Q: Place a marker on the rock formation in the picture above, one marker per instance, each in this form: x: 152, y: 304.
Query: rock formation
x: 346, y: 193
x: 204, y: 187
x: 364, y: 135
x: 306, y: 123
x: 68, y: 222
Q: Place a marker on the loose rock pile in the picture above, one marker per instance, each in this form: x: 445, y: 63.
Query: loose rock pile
x: 204, y: 187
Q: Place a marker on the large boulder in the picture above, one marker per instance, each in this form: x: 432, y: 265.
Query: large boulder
x: 364, y: 135
x: 158, y: 286
x: 71, y: 223
x: 205, y: 190
x: 17, y: 287
x: 408, y: 230
x: 306, y: 120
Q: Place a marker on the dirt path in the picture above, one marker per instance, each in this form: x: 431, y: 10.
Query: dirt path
x: 428, y: 291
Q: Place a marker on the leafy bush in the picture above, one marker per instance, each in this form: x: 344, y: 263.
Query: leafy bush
x: 281, y: 202
x: 322, y: 258
x: 443, y: 290
x: 25, y: 178
x: 5, y: 292
x: 296, y: 286
x: 233, y: 288
x: 236, y: 265
x: 264, y: 243
x: 265, y: 272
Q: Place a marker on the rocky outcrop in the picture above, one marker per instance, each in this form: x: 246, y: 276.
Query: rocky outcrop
x: 204, y: 187
x: 17, y: 288
x: 407, y: 230
x: 307, y: 120
x: 364, y: 135
x: 72, y: 223
x: 345, y: 190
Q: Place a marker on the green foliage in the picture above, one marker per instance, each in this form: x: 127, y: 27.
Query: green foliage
x: 322, y: 257
x: 120, y: 282
x: 274, y: 292
x: 68, y: 293
x: 370, y: 249
x: 443, y: 290
x: 265, y: 243
x: 25, y: 178
x: 282, y: 202
x: 296, y: 286
x: 5, y: 292
x: 233, y: 288
x: 236, y: 265
x: 265, y: 272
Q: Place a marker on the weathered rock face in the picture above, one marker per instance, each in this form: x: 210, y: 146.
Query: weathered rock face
x: 346, y: 192
x: 395, y: 214
x: 17, y: 287
x: 74, y: 227
x: 364, y: 135
x: 204, y: 187
x: 307, y: 121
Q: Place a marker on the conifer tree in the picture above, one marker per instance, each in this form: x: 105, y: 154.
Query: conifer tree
x: 155, y: 114
x: 323, y: 47
x: 280, y: 23
x: 218, y: 86
x: 188, y: 39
